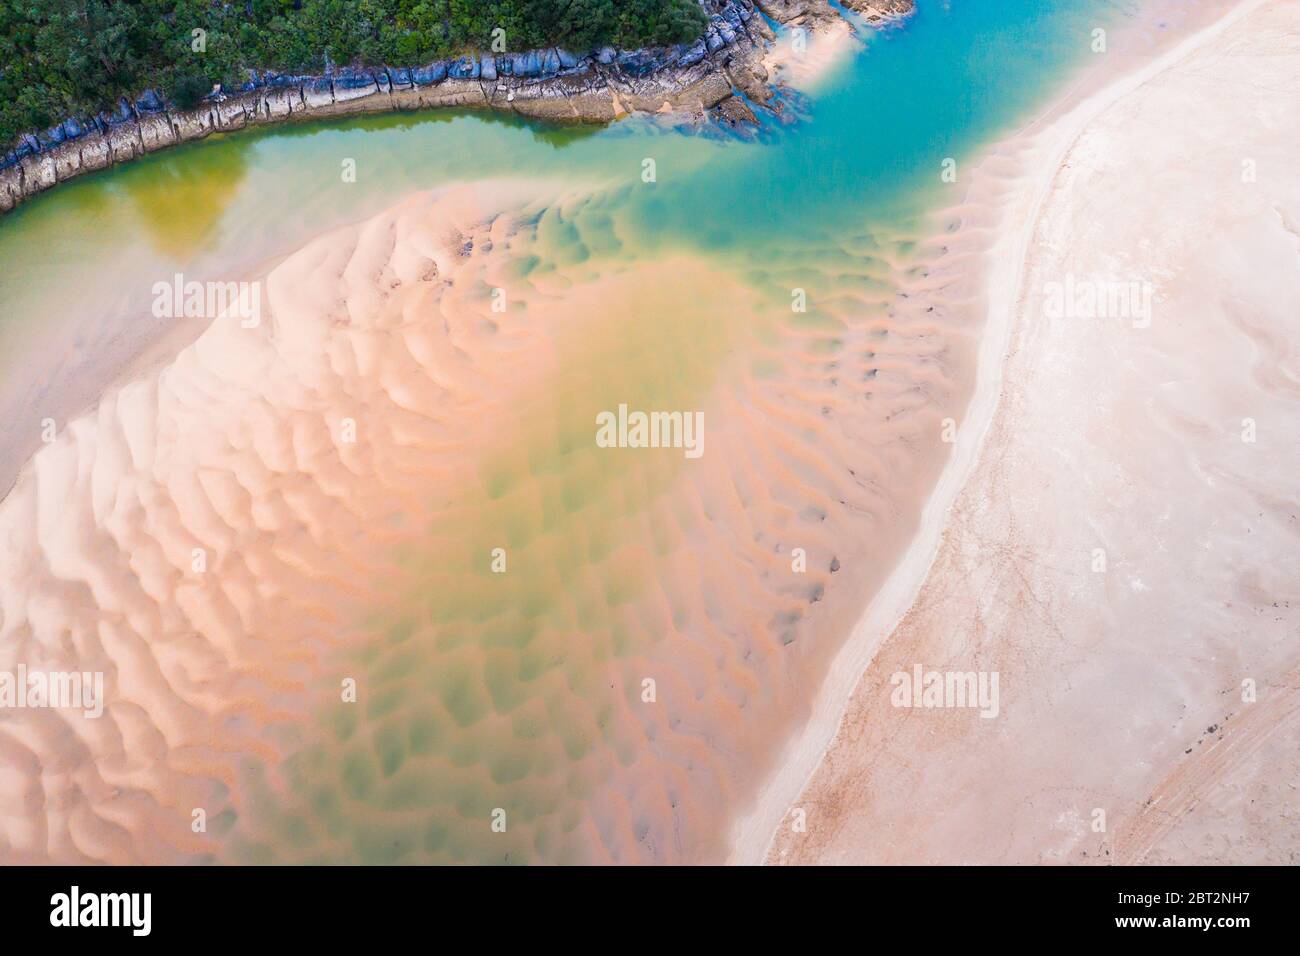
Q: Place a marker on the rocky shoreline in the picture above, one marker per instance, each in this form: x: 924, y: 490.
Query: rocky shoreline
x: 717, y: 74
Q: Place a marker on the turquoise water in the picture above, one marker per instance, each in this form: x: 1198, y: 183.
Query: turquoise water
x: 78, y: 262
x: 952, y: 78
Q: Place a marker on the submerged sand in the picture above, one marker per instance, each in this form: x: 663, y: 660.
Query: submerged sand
x: 240, y: 536
x: 1124, y: 548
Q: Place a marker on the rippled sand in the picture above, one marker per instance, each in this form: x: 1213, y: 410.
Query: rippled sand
x: 1123, y: 550
x: 211, y: 538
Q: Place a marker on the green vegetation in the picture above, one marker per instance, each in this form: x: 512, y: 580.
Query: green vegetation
x: 66, y: 57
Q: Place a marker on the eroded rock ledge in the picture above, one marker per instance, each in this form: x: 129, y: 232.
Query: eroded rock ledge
x: 548, y: 84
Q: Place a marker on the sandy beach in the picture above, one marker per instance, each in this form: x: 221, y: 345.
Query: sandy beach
x: 1115, y: 536
x: 361, y: 572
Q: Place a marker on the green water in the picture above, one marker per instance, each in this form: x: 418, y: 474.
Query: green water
x: 958, y: 73
x: 78, y: 262
x: 475, y: 695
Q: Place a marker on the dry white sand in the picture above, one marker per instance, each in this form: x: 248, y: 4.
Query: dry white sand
x: 1105, y: 538
x: 803, y: 58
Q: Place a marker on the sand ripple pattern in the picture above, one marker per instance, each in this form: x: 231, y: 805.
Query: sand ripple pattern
x: 342, y: 474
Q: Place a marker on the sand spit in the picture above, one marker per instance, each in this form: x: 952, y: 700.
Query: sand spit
x: 802, y: 61
x: 232, y: 537
x: 1123, y: 549
x: 819, y: 37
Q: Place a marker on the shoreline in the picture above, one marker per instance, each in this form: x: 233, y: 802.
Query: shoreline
x: 717, y: 75
x: 755, y: 833
x: 769, y: 56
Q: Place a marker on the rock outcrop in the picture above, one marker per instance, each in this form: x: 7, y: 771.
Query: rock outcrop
x: 881, y: 11
x: 809, y: 12
x: 550, y: 84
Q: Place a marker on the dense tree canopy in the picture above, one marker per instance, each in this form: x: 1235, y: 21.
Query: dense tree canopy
x: 65, y: 57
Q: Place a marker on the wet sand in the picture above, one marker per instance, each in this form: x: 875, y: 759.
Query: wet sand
x: 1117, y: 534
x: 235, y: 534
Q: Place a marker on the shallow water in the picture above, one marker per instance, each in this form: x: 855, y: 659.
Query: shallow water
x: 80, y: 262
x: 370, y: 560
